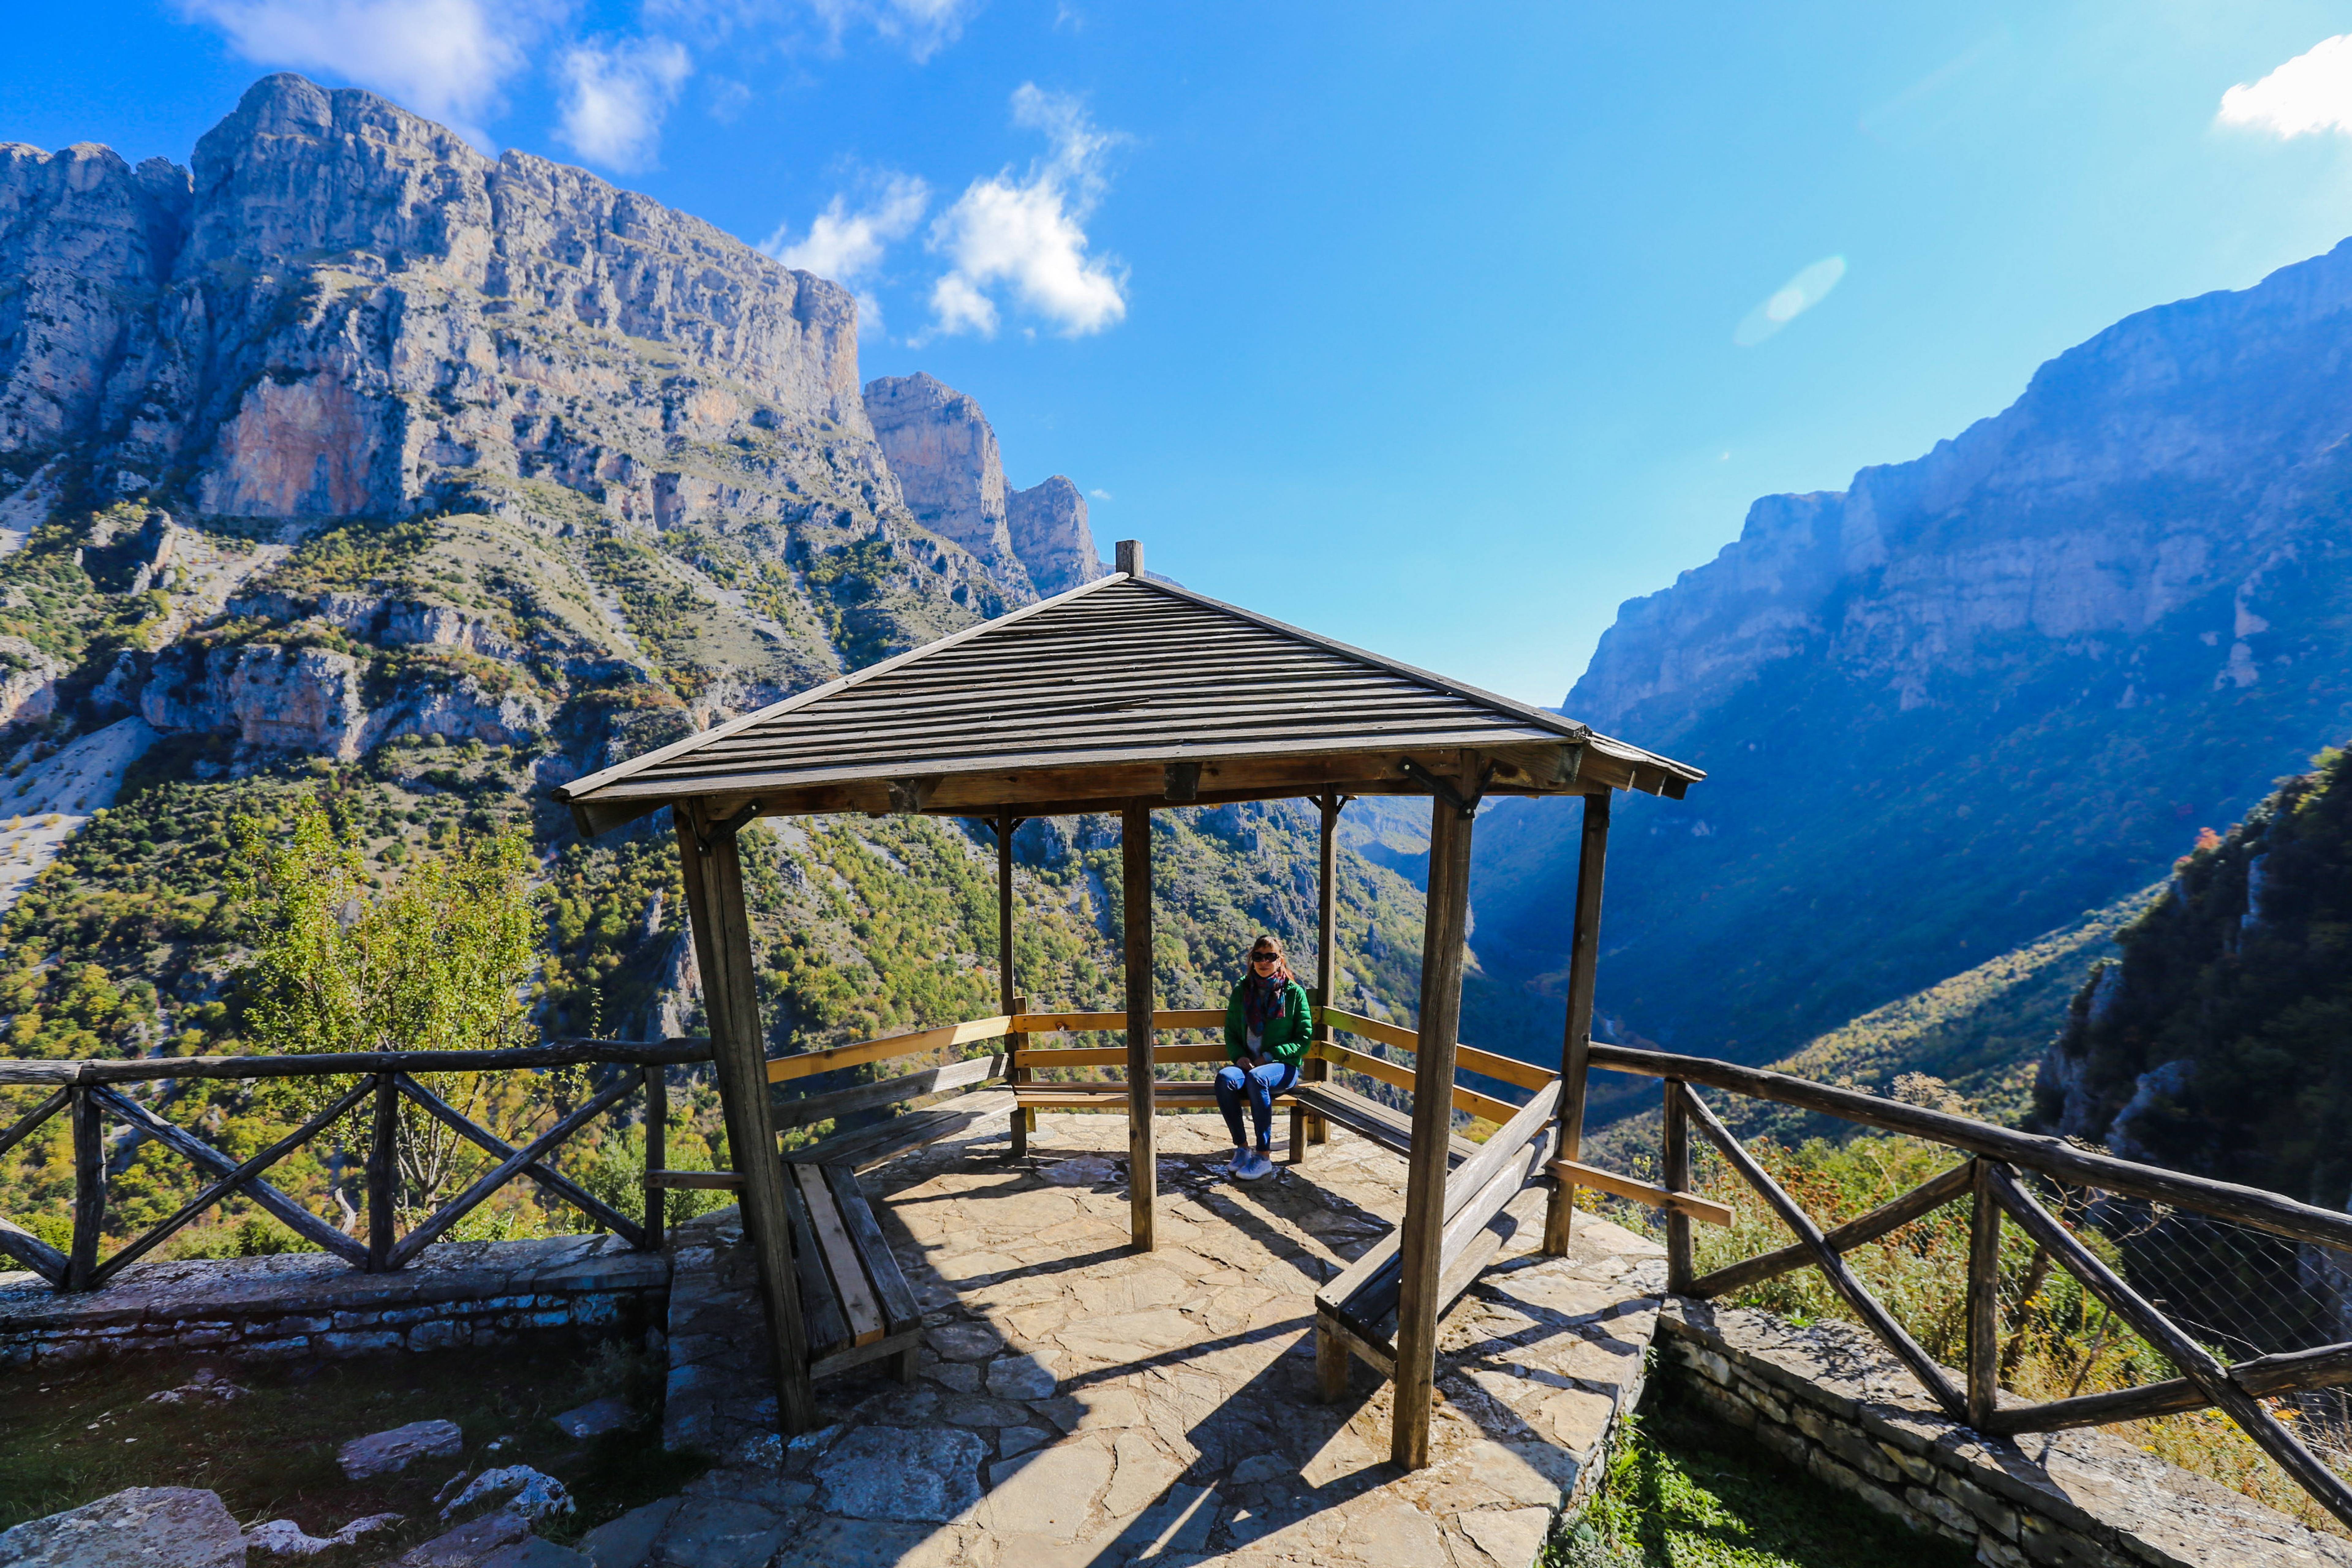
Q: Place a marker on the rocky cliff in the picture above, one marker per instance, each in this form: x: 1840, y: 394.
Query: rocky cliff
x: 949, y: 470
x: 348, y: 463
x: 1973, y: 695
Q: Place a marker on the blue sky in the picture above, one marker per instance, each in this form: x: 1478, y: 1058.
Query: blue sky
x: 1442, y: 329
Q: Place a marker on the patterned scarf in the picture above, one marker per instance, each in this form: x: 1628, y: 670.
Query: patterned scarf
x: 1262, y: 996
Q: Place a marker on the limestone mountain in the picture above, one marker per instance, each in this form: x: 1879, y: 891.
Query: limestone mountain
x: 945, y: 455
x: 1971, y: 696
x: 348, y: 462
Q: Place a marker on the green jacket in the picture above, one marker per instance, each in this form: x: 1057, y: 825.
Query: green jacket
x: 1287, y: 1033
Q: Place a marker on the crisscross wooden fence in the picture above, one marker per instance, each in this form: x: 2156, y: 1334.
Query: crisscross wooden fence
x: 1989, y: 1179
x: 90, y: 1093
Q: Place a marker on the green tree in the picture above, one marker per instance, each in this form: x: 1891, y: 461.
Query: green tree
x: 441, y: 961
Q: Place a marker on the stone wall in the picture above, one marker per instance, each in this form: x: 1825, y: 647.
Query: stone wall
x: 310, y: 1304
x: 1831, y: 1399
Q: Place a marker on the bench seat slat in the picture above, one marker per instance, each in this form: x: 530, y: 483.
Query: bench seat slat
x: 842, y: 1264
x: 822, y: 1324
x: 900, y: 1312
x: 866, y: 1147
x: 1366, y: 1118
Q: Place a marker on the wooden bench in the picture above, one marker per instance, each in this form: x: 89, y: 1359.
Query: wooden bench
x: 1355, y: 1312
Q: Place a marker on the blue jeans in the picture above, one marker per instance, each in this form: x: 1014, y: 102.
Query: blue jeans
x: 1261, y: 1084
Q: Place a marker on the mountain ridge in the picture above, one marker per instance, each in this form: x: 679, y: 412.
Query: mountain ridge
x: 1970, y: 696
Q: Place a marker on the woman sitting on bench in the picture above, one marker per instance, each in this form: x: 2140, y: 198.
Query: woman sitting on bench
x: 1268, y: 1025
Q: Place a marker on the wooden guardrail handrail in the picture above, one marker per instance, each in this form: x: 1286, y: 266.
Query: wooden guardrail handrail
x: 15, y: 1072
x: 2052, y: 1156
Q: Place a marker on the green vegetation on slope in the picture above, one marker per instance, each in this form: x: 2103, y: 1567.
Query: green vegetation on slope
x: 2221, y: 1043
x: 1682, y: 1491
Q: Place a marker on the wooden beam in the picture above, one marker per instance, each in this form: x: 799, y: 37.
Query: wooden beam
x: 382, y: 1172
x: 1576, y: 1043
x: 2195, y: 1362
x: 143, y: 1069
x: 1446, y: 931
x: 1111, y: 1055
x: 1307, y: 1129
x: 1496, y: 1111
x: 551, y: 1180
x: 808, y: 1064
x: 1674, y: 1170
x: 1142, y: 1143
x: 1007, y: 985
x: 1706, y: 1210
x: 889, y: 1091
x: 2264, y: 1377
x: 2054, y: 1156
x: 90, y: 1188
x: 223, y: 1185
x: 1984, y: 1297
x: 711, y: 861
x: 27, y: 1124
x: 204, y: 1157
x: 720, y: 1180
x: 656, y: 1082
x: 506, y: 1171
x: 1508, y: 1070
x: 1923, y: 1199
x: 1833, y: 1267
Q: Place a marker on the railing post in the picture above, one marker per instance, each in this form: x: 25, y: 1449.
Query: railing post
x: 1984, y: 1296
x: 1674, y: 1174
x: 384, y: 1129
x: 656, y: 1080
x: 90, y: 1188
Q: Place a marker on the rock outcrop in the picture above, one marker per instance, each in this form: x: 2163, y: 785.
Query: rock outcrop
x: 1047, y: 522
x: 944, y: 455
x: 405, y: 397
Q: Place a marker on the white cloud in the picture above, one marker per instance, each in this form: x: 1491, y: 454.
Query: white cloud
x: 444, y: 59
x: 1026, y: 234
x: 615, y: 95
x: 1099, y: 494
x: 1788, y: 301
x: 846, y: 246
x: 2310, y: 92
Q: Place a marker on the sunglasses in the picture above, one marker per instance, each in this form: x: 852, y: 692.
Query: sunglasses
x: 1265, y: 958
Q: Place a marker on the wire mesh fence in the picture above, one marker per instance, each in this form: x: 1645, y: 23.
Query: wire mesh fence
x: 2239, y: 1292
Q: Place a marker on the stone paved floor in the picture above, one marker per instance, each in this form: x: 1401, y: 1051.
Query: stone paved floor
x: 1080, y: 1403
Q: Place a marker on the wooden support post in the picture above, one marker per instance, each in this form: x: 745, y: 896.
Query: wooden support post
x: 1305, y: 1127
x: 383, y: 1131
x: 1024, y: 1122
x: 1674, y: 1174
x: 656, y: 1152
x: 1444, y: 934
x: 722, y: 950
x: 1984, y: 1297
x: 90, y: 1188
x: 1143, y: 1145
x: 1576, y: 1045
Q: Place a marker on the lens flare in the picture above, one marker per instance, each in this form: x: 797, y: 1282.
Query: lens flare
x: 1791, y: 300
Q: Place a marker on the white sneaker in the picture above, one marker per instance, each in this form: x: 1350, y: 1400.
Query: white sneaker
x: 1238, y: 1165
x: 1257, y: 1170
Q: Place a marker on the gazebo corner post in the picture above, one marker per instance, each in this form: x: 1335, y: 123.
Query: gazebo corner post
x: 1305, y: 1127
x: 1008, y: 998
x: 1576, y: 1044
x: 713, y: 867
x: 1142, y: 1147
x: 1444, y: 933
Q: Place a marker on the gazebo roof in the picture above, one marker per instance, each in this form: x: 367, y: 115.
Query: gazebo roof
x: 1122, y: 689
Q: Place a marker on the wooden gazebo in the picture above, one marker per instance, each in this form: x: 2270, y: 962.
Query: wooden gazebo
x: 1128, y: 695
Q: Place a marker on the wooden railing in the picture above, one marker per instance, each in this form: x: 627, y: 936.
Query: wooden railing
x: 88, y: 1094
x: 1989, y: 1180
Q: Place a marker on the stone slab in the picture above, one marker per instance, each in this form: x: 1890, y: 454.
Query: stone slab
x: 1077, y: 1402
